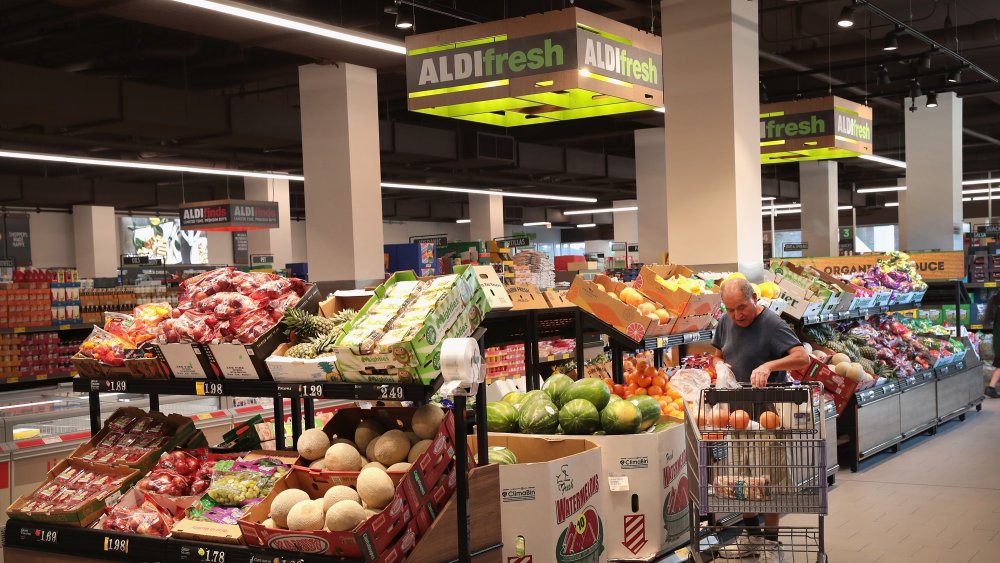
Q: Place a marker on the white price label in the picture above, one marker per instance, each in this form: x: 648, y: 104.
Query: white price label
x: 118, y: 386
x: 390, y: 392
x: 618, y: 483
x: 312, y: 390
x: 115, y: 545
x: 210, y: 555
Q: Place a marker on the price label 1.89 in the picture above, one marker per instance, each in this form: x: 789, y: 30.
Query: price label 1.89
x: 117, y: 385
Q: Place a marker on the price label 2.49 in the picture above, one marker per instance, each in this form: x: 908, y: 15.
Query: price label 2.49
x: 390, y: 392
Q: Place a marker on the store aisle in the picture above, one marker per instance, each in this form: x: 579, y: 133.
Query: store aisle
x: 935, y: 501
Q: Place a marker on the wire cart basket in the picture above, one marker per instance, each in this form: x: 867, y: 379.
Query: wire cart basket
x: 757, y: 451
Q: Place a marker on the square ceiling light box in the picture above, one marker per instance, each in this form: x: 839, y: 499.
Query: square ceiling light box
x: 814, y: 129
x: 555, y: 66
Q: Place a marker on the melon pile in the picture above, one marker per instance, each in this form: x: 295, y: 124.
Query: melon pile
x: 373, y: 446
x: 564, y: 406
x: 340, y: 509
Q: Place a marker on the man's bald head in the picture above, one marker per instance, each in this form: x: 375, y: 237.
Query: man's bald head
x: 740, y: 301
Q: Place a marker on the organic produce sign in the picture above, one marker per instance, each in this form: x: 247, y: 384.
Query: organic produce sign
x: 229, y: 215
x: 947, y: 265
x: 559, y: 65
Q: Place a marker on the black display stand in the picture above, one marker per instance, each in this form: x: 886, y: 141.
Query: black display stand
x: 100, y: 544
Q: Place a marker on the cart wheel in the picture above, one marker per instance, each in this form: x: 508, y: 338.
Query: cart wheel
x: 932, y: 431
x: 979, y: 407
x: 831, y: 480
x: 962, y: 417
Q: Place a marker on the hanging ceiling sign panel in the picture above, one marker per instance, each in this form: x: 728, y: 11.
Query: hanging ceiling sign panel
x: 229, y: 215
x: 814, y: 129
x: 543, y: 68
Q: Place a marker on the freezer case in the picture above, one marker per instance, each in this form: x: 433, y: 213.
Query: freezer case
x: 918, y: 403
x: 878, y: 422
x: 830, y: 413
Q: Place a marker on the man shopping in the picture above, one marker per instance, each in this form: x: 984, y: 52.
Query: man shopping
x: 759, y: 348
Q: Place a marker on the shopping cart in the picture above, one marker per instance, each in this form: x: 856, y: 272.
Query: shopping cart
x: 762, y: 451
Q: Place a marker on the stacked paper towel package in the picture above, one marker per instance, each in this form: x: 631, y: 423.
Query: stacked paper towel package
x: 534, y: 267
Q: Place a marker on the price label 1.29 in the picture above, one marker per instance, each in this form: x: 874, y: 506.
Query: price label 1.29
x: 115, y: 545
x: 390, y: 392
x: 312, y: 390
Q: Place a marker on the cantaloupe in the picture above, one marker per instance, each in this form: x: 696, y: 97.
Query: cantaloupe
x: 269, y: 523
x: 312, y: 444
x: 375, y: 487
x: 367, y: 431
x: 839, y: 358
x: 283, y: 503
x: 842, y: 368
x: 412, y: 436
x: 306, y: 516
x: 318, y: 464
x: 400, y: 467
x: 342, y: 457
x: 344, y: 516
x: 417, y: 449
x: 391, y: 447
x: 345, y: 441
x: 338, y: 493
x: 426, y: 421
x: 855, y: 371
x: 369, y: 512
x: 370, y: 450
x: 373, y: 464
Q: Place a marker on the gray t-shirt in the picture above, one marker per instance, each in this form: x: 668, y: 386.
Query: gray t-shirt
x: 767, y: 338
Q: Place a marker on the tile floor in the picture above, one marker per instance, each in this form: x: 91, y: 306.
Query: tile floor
x: 935, y: 501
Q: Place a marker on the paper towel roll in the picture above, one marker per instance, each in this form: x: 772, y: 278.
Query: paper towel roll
x: 461, y: 361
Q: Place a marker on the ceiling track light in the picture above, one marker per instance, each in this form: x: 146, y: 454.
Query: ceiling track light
x: 891, y: 41
x: 883, y: 76
x: 932, y: 101
x: 955, y: 76
x: 846, y: 18
x: 915, y: 90
x: 403, y: 21
x: 924, y: 61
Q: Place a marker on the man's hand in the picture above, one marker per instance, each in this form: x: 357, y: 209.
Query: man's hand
x: 758, y: 378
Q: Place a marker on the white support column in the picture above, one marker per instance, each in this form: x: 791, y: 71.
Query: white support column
x: 818, y: 193
x: 485, y: 216
x: 95, y: 236
x: 712, y: 133
x: 626, y: 222
x: 651, y: 190
x: 340, y: 153
x: 271, y: 241
x: 220, y: 247
x: 933, y: 177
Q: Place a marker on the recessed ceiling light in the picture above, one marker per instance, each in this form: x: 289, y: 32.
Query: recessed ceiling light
x: 586, y: 225
x: 463, y: 221
x: 883, y: 160
x: 880, y: 190
x: 602, y: 210
x: 422, y: 187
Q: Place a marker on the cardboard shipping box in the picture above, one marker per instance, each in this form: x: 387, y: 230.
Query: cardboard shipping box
x: 493, y: 288
x: 526, y: 296
x: 680, y: 302
x: 551, y: 500
x: 622, y: 316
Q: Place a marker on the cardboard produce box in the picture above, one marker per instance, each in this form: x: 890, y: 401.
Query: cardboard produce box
x: 248, y: 361
x: 178, y: 429
x: 525, y: 296
x: 89, y: 368
x: 185, y: 360
x: 301, y: 370
x: 680, y: 303
x: 622, y: 316
x: 840, y: 387
x: 551, y: 500
x: 800, y: 302
x: 493, y: 288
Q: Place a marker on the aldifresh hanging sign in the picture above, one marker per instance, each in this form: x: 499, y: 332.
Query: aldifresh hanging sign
x: 229, y: 215
x: 555, y: 66
x: 814, y: 129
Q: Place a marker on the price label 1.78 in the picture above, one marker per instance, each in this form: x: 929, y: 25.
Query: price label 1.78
x: 211, y: 555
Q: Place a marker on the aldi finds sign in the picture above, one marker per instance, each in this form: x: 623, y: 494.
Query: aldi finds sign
x: 229, y: 215
x: 814, y: 129
x: 559, y: 65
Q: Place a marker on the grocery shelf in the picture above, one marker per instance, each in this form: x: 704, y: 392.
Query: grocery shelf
x: 851, y: 315
x: 46, y: 328
x: 556, y: 358
x: 36, y: 380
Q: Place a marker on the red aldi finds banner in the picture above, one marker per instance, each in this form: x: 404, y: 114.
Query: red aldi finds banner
x: 229, y: 215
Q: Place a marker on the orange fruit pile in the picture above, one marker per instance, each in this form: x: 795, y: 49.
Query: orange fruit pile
x: 642, y: 378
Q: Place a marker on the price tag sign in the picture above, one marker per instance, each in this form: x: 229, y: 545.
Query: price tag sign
x: 990, y: 284
x: 390, y: 392
x: 64, y: 327
x: 659, y: 343
x: 313, y: 390
x: 285, y: 389
x: 211, y: 555
x: 116, y: 385
x: 41, y: 536
x: 115, y: 545
x: 208, y: 388
x: 20, y: 330
x: 618, y: 483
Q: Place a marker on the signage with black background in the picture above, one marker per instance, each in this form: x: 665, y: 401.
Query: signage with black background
x: 513, y: 242
x: 229, y: 215
x: 439, y: 240
x: 241, y: 248
x: 794, y: 246
x: 17, y: 239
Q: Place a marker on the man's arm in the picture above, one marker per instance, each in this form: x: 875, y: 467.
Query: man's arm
x: 795, y: 359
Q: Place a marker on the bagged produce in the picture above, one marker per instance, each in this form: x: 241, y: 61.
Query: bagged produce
x: 105, y: 347
x: 147, y: 519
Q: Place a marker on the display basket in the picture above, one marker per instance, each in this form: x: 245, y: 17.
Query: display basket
x: 760, y: 450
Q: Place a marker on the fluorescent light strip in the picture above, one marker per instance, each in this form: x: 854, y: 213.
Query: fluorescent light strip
x: 486, y: 192
x: 35, y: 404
x: 781, y: 212
x: 294, y: 23
x: 880, y: 190
x: 781, y: 206
x: 661, y: 110
x: 966, y: 199
x: 463, y: 221
x: 892, y: 204
x: 602, y: 210
x: 983, y: 181
x: 538, y: 224
x: 21, y: 155
x: 767, y: 199
x: 844, y: 207
x: 883, y: 160
x: 586, y: 225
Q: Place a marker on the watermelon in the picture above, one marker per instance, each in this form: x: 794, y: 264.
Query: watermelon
x: 621, y: 417
x: 501, y: 417
x: 538, y: 417
x: 555, y: 385
x: 502, y: 456
x: 533, y: 395
x: 579, y: 416
x: 513, y: 397
x: 649, y: 409
x: 615, y: 398
x: 589, y: 388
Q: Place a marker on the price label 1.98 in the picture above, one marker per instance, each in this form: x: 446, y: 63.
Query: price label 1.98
x: 208, y: 388
x: 390, y: 392
x: 312, y: 390
x: 115, y: 545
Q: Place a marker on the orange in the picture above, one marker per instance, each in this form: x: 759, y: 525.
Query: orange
x: 640, y: 366
x: 655, y: 390
x: 739, y: 420
x: 614, y: 296
x: 647, y: 309
x: 712, y: 436
x: 635, y: 299
x: 660, y: 381
x: 770, y: 420
x: 640, y: 391
x: 600, y: 287
x: 619, y: 390
x: 630, y: 389
x: 663, y: 315
x: 644, y: 381
x: 673, y: 394
x: 719, y: 416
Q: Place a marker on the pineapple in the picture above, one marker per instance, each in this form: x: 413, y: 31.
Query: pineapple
x: 869, y: 352
x: 321, y: 345
x: 868, y: 365
x: 835, y: 346
x: 306, y: 325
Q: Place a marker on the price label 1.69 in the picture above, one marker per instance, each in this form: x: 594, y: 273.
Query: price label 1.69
x: 46, y: 536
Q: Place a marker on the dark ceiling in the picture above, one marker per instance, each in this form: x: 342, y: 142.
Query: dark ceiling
x: 159, y: 81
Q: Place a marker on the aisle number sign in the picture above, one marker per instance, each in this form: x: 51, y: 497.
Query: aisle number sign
x: 814, y: 129
x: 541, y: 68
x: 948, y: 265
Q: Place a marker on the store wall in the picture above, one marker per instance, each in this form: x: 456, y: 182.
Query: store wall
x: 397, y: 232
x: 51, y: 240
x: 543, y: 235
x: 299, y: 241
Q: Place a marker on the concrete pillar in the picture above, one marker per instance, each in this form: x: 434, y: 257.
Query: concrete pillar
x: 932, y: 215
x: 271, y: 241
x: 651, y: 190
x: 626, y: 222
x: 220, y: 247
x: 818, y: 194
x: 486, y: 216
x: 712, y: 133
x: 340, y: 153
x: 95, y: 237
